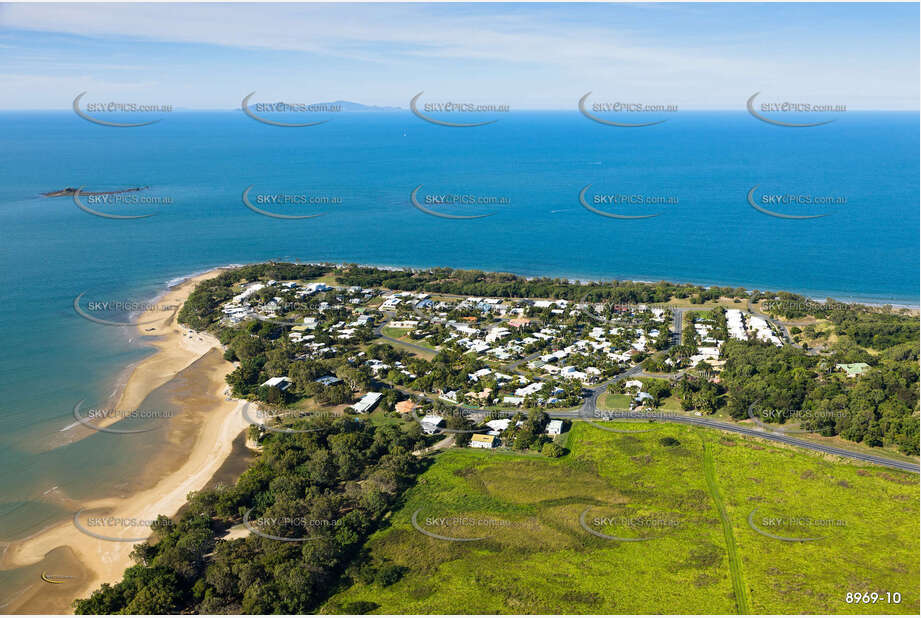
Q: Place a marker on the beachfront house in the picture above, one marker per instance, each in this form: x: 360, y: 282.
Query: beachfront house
x: 281, y: 383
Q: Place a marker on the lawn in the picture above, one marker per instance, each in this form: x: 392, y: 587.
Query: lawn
x: 671, y: 403
x: 728, y: 303
x: 613, y: 401
x: 691, y: 504
x: 328, y: 279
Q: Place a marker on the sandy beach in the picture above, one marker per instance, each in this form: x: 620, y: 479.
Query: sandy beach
x: 212, y: 424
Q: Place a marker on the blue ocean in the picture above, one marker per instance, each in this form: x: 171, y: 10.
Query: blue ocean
x: 531, y: 166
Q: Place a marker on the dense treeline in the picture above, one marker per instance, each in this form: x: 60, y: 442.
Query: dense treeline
x: 505, y: 285
x: 332, y: 486
x: 877, y: 408
x: 876, y: 330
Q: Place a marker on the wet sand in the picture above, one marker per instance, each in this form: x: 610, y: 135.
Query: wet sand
x: 201, y: 440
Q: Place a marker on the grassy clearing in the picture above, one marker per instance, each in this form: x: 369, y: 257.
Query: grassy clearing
x: 723, y: 301
x: 379, y: 417
x: 671, y: 403
x: 866, y: 518
x: 613, y: 401
x: 396, y: 333
x: 536, y: 557
x: 328, y: 279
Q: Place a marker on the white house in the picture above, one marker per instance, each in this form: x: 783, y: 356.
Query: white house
x: 643, y: 397
x: 367, y: 402
x: 313, y: 288
x: 555, y: 428
x: 328, y: 380
x: 403, y: 324
x: 430, y: 423
x: 479, y: 440
x: 497, y: 333
x: 530, y: 389
x: 498, y: 426
x: 281, y: 383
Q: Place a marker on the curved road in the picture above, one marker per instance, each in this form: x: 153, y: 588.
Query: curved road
x: 700, y: 421
x: 379, y: 331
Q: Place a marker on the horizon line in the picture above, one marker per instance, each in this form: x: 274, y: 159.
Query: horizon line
x: 395, y: 109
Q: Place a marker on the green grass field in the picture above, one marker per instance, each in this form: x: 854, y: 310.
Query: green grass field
x: 614, y: 401
x: 691, y: 503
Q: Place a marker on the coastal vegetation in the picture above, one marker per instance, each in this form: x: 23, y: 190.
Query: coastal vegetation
x: 323, y: 491
x: 878, y: 407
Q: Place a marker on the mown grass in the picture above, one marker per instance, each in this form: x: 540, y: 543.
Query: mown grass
x: 615, y: 401
x: 541, y: 560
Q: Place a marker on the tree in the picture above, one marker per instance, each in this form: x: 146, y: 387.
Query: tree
x: 245, y: 346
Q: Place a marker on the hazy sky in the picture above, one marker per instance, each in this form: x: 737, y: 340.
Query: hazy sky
x: 525, y: 55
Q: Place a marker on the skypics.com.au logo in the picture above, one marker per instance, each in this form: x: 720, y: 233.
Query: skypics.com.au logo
x: 290, y: 205
x: 288, y: 528
x: 795, y: 206
x: 615, y: 113
x: 95, y: 202
x: 133, y: 421
x: 119, y: 109
x: 118, y: 311
x: 260, y: 112
x: 459, y: 528
x: 769, y: 112
x: 628, y: 527
x: 446, y: 109
x: 451, y: 205
x: 627, y: 206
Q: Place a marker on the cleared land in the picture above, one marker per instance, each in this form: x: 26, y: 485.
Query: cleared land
x: 536, y: 556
